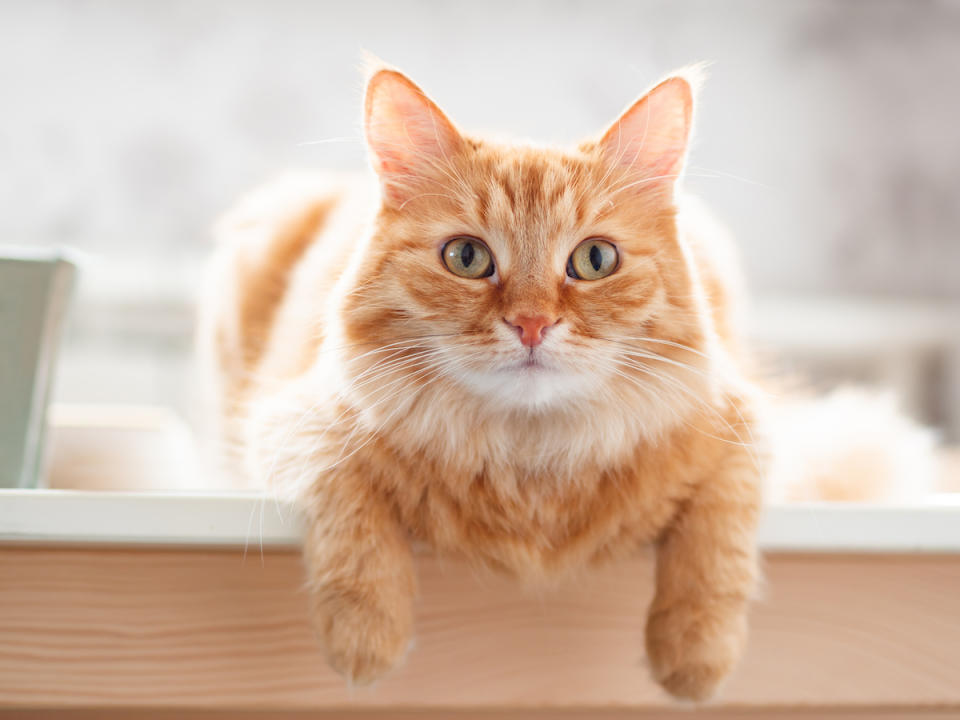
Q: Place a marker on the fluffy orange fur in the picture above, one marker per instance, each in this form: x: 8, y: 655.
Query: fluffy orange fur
x: 396, y: 400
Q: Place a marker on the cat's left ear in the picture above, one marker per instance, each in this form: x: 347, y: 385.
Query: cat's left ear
x: 409, y: 137
x: 652, y: 135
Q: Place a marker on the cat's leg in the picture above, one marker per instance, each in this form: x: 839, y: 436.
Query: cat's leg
x: 706, y: 573
x: 359, y: 564
x: 360, y: 577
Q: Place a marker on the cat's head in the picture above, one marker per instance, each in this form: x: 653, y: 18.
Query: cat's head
x: 529, y: 277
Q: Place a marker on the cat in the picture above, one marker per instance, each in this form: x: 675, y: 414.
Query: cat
x: 528, y: 358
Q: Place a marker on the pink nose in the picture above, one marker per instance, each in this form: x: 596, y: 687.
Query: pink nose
x: 532, y: 328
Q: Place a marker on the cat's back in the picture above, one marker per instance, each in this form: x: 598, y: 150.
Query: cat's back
x: 279, y: 252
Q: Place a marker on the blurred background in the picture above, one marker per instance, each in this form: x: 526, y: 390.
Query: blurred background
x: 827, y: 139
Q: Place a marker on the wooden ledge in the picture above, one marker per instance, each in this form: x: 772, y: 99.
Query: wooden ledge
x: 701, y: 713
x: 185, y: 633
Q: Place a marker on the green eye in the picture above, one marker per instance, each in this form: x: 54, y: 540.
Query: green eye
x: 593, y: 259
x: 468, y: 257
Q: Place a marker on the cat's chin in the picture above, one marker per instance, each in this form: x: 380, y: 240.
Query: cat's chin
x: 529, y: 386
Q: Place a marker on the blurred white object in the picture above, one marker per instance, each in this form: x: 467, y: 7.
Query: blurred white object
x: 120, y: 447
x: 851, y: 445
x: 908, y: 347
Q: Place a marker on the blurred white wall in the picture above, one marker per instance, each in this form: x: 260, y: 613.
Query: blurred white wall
x: 828, y: 134
x: 127, y: 125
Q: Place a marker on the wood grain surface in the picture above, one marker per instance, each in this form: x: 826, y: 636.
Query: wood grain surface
x: 700, y: 713
x: 190, y: 631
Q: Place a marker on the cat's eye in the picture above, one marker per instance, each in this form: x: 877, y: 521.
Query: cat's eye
x: 593, y: 259
x: 468, y: 257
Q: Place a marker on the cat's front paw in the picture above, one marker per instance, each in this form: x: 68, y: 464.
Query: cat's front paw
x: 692, y: 649
x: 363, y: 642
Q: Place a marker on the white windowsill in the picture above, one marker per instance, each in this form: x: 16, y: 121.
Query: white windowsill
x: 239, y: 520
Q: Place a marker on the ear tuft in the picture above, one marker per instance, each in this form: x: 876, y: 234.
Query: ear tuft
x: 409, y: 137
x: 652, y: 136
x: 371, y: 64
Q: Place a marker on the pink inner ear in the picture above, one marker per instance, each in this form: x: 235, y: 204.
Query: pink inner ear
x: 407, y: 134
x: 390, y: 163
x: 651, y: 136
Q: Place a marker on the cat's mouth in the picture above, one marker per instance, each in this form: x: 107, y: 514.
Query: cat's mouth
x: 533, y: 362
x: 532, y: 380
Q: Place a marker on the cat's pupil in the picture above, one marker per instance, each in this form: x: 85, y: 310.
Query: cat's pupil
x: 467, y: 254
x: 596, y: 258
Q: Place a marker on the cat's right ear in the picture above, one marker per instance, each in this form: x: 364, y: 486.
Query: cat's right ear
x: 408, y: 136
x: 650, y: 138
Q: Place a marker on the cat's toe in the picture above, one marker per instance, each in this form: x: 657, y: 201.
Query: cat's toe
x: 363, y: 644
x: 691, y: 652
x: 694, y: 682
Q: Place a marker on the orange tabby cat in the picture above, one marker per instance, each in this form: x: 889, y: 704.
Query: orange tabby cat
x: 522, y: 356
